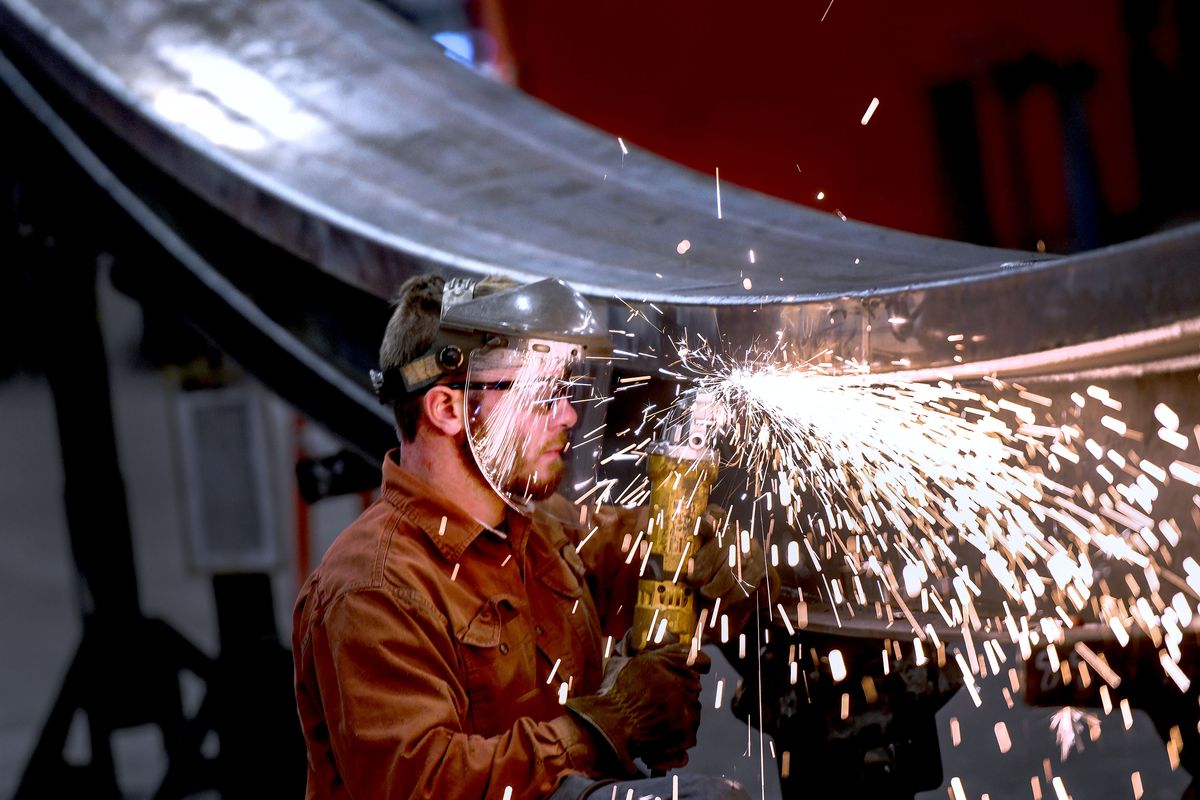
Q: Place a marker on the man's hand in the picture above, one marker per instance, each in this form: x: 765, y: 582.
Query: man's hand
x: 652, y: 709
x: 737, y: 586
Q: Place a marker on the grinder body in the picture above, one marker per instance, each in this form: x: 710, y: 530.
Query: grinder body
x: 682, y: 468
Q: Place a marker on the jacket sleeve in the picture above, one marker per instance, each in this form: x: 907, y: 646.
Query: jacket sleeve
x: 388, y: 682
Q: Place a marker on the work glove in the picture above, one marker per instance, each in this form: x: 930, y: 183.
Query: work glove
x: 740, y: 587
x: 651, y: 710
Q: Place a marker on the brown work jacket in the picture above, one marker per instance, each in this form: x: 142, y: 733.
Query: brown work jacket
x: 432, y: 655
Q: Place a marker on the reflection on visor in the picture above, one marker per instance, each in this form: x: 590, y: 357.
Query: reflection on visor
x: 522, y: 410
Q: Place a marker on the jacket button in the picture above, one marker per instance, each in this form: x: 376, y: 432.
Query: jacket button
x: 504, y: 648
x: 538, y: 630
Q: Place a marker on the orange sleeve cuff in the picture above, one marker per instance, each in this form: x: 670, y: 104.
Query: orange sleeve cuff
x: 578, y: 743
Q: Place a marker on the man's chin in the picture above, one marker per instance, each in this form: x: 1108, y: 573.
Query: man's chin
x: 545, y: 484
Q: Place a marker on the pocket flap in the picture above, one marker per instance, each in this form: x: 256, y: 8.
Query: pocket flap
x: 483, y: 630
x: 557, y: 576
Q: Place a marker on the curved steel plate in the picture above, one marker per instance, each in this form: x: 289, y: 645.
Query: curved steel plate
x: 350, y: 139
x: 339, y: 133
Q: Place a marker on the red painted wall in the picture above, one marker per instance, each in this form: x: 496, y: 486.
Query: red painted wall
x: 773, y: 96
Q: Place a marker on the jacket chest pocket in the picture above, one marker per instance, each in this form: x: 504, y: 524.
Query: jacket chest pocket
x: 499, y: 666
x: 571, y: 636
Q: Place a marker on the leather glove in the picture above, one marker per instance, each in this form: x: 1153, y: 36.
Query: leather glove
x: 651, y: 710
x: 714, y: 578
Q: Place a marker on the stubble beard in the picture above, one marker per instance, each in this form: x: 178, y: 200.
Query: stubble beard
x: 524, y: 479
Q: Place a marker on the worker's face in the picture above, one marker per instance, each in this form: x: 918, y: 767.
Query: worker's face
x: 519, y: 424
x: 528, y: 437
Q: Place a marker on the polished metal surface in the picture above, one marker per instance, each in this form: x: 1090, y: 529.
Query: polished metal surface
x: 350, y: 138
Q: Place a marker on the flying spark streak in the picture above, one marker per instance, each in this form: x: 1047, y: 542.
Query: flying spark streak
x: 1173, y: 438
x: 1172, y: 669
x: 1166, y: 416
x: 837, y: 667
x: 870, y: 110
x: 1188, y: 473
x: 718, y: 179
x: 1101, y: 667
x: 1002, y: 737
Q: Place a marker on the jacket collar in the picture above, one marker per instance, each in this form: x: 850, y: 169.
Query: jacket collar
x: 449, y: 528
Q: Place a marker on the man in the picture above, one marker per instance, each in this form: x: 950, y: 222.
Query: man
x: 448, y: 645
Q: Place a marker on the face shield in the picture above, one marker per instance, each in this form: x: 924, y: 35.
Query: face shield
x: 526, y: 405
x: 533, y: 364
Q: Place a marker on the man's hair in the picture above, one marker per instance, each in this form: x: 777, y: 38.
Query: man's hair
x: 411, y: 330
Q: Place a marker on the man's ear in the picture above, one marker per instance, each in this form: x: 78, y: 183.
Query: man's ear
x: 442, y: 408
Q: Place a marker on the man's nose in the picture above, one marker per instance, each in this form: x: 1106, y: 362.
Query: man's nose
x: 564, y: 412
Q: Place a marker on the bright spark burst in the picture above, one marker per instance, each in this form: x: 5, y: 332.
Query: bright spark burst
x: 1068, y: 723
x: 942, y: 493
x: 982, y: 511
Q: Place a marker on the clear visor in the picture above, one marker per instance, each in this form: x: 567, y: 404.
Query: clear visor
x: 529, y: 408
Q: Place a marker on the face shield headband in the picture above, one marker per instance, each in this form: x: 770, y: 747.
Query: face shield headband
x: 549, y: 310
